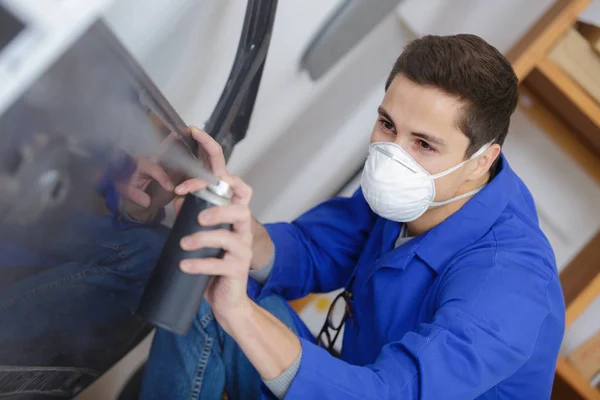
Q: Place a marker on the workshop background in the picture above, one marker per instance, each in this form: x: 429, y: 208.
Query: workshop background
x: 308, y: 140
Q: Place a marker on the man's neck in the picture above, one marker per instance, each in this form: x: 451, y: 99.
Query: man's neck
x: 437, y: 215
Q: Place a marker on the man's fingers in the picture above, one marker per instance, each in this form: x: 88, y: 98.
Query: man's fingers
x: 242, y: 193
x: 156, y: 172
x: 134, y: 195
x: 177, y: 203
x: 213, y: 150
x: 219, y: 239
x: 208, y: 266
x: 190, y: 186
x: 238, y: 215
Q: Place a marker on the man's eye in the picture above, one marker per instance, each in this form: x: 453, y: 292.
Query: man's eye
x: 425, y: 146
x: 386, y: 125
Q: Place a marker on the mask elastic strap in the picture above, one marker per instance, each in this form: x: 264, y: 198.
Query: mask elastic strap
x: 452, y: 200
x: 457, y: 166
x: 450, y: 170
x: 389, y: 154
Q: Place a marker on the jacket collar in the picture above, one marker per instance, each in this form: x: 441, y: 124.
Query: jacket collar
x: 474, y: 219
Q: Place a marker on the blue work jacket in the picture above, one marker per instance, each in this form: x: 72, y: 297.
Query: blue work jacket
x: 471, y: 309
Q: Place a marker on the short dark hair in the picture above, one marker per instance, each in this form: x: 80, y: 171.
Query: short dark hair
x: 474, y: 71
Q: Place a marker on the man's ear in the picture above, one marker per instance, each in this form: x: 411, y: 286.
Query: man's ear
x: 484, y: 162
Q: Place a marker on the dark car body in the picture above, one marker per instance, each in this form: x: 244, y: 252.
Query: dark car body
x: 73, y: 266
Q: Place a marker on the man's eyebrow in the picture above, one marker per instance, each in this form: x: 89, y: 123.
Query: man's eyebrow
x: 385, y: 114
x: 430, y: 138
x: 425, y: 136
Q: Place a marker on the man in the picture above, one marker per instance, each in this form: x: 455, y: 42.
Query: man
x: 451, y: 288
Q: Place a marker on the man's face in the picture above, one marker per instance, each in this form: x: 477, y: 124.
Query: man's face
x: 423, y: 121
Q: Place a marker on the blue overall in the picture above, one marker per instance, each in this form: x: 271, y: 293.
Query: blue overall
x: 471, y: 309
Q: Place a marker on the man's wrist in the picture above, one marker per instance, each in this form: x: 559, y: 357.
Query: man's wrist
x: 261, y: 275
x: 281, y: 385
x: 262, y: 246
x: 236, y: 318
x: 269, y: 345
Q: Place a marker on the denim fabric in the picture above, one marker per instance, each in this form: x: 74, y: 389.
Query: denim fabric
x: 207, y: 360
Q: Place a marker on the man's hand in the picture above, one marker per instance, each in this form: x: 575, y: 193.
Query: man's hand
x: 262, y: 245
x: 269, y: 345
x: 227, y: 293
x: 133, y: 191
x: 216, y: 161
x: 136, y: 200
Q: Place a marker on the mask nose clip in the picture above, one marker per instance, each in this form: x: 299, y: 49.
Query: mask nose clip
x: 394, y: 158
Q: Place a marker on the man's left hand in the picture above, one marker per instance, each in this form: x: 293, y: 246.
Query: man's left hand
x: 269, y: 345
x: 227, y: 293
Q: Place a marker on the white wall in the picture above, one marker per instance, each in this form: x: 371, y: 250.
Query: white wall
x: 499, y: 22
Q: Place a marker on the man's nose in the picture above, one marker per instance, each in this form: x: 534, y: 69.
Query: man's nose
x: 403, y: 140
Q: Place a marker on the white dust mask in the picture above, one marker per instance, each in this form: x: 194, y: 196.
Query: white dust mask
x: 397, y: 187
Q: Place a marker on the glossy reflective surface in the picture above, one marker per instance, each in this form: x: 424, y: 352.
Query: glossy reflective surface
x: 87, y: 158
x: 10, y: 26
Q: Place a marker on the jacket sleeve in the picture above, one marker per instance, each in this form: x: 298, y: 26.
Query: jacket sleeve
x: 317, y: 252
x: 486, y: 327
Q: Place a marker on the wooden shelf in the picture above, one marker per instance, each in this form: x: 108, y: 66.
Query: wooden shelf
x: 584, y: 299
x: 543, y: 36
x: 574, y: 379
x: 581, y: 278
x: 572, y: 119
x: 578, y: 276
x: 571, y: 89
x: 571, y: 144
x: 567, y: 100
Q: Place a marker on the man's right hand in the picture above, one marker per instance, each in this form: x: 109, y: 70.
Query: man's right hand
x: 133, y: 191
x: 262, y: 245
x: 150, y: 188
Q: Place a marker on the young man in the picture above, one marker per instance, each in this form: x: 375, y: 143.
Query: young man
x: 451, y: 288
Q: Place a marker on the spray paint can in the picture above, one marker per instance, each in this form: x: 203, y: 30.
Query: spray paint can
x: 172, y: 297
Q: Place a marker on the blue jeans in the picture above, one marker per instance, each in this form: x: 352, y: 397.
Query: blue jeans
x: 206, y: 361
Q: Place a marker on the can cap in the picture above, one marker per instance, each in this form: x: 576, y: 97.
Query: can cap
x: 221, y: 188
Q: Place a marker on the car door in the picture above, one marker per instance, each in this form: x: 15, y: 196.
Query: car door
x: 82, y: 212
